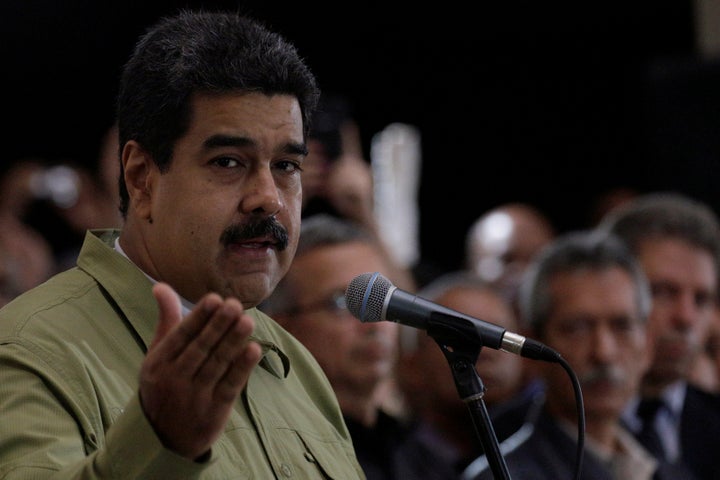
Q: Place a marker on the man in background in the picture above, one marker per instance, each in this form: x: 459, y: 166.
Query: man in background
x: 586, y: 297
x: 444, y: 421
x: 359, y: 358
x: 677, y: 241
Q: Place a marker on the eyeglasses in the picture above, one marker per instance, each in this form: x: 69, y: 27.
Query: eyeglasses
x: 334, y: 304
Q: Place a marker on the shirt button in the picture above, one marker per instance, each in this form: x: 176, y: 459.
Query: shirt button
x: 285, y: 469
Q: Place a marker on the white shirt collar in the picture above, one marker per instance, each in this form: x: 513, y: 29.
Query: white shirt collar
x: 186, y: 305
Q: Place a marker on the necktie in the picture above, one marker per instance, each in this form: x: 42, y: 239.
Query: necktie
x: 648, y: 435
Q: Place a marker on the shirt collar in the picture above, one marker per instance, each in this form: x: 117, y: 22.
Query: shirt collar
x: 273, y: 359
x: 673, y: 398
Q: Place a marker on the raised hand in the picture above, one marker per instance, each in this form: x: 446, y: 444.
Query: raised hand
x: 195, y: 369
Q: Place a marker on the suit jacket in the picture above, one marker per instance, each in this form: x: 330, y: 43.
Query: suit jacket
x: 700, y: 433
x: 393, y: 450
x: 549, y: 453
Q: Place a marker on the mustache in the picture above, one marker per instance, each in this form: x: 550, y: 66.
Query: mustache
x: 606, y: 373
x: 262, y: 227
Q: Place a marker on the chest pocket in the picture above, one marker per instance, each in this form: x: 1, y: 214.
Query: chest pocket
x: 294, y: 455
x: 318, y: 458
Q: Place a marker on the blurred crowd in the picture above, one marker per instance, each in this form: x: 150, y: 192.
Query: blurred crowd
x: 579, y: 294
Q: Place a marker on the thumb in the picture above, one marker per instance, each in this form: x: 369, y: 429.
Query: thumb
x: 170, y: 310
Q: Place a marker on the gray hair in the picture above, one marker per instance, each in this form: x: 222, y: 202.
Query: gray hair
x: 663, y: 215
x: 580, y: 250
x: 317, y: 231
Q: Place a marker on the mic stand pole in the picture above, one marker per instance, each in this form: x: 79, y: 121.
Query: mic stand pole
x: 462, y: 356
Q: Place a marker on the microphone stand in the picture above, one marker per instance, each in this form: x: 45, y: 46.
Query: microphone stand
x: 462, y: 355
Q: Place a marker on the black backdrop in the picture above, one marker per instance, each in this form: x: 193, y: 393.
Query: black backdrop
x: 550, y: 104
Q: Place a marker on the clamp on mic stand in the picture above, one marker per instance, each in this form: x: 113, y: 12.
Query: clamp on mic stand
x: 462, y: 356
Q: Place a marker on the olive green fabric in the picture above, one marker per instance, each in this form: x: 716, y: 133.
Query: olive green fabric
x: 70, y: 354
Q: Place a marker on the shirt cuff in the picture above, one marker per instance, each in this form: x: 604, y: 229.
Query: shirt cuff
x: 133, y: 450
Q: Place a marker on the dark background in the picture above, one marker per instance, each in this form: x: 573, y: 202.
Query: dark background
x: 549, y: 104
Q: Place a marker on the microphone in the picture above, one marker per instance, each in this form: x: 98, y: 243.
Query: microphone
x: 371, y: 298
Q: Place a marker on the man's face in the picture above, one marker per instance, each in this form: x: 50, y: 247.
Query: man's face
x: 594, y: 324
x: 237, y: 164
x: 357, y: 357
x: 505, y: 242
x: 683, y: 281
x: 425, y: 373
x: 500, y: 372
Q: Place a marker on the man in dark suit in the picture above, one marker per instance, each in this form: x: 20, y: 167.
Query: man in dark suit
x: 425, y: 376
x: 586, y: 297
x: 677, y: 240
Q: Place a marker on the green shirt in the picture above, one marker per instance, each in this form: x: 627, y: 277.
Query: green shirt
x: 70, y: 355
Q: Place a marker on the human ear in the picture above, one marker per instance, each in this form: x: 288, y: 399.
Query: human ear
x: 138, y: 171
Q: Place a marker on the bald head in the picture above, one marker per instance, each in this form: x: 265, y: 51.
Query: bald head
x: 503, y: 240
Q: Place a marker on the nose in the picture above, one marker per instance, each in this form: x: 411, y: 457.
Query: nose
x: 261, y: 193
x: 366, y: 327
x: 387, y: 330
x: 605, y: 344
x: 685, y: 311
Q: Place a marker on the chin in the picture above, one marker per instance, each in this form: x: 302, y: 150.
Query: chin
x: 248, y: 290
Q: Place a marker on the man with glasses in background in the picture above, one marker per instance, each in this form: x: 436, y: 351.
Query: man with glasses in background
x: 358, y: 358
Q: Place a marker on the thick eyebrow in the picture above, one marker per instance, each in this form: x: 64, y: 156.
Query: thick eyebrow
x: 217, y: 141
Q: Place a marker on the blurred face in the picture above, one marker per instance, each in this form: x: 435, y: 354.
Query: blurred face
x: 236, y: 166
x: 357, y: 357
x: 316, y: 168
x: 683, y: 279
x: 505, y: 242
x: 499, y: 371
x: 594, y: 325
x: 426, y: 374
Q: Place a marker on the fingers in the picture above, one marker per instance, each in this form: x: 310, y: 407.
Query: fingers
x: 208, y: 342
x: 195, y: 369
x: 237, y: 373
x: 171, y: 316
x: 170, y: 310
x: 219, y: 344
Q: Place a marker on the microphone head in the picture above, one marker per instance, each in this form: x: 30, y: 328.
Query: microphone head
x: 365, y: 296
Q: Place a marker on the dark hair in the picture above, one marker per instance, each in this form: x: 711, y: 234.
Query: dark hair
x: 322, y: 230
x: 206, y: 52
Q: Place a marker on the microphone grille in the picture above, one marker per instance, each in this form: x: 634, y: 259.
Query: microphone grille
x: 365, y: 296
